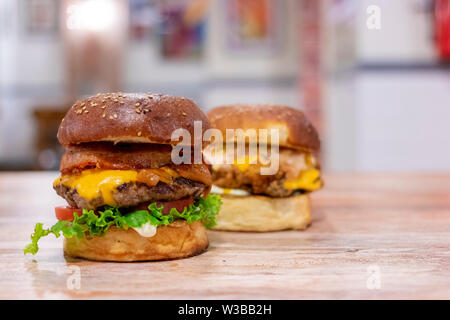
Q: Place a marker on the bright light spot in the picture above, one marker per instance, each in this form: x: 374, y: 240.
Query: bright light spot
x: 93, y: 15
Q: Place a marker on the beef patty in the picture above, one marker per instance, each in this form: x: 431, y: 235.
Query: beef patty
x: 229, y: 176
x: 134, y: 193
x: 291, y: 163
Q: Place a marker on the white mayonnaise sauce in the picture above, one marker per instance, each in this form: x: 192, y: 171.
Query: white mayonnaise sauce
x: 146, y: 230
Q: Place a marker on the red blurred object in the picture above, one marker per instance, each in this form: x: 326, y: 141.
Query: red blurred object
x: 310, y: 73
x: 442, y: 28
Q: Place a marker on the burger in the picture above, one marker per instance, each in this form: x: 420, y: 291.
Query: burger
x: 127, y: 200
x: 252, y: 200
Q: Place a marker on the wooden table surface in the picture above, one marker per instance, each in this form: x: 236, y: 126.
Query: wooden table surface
x: 373, y: 236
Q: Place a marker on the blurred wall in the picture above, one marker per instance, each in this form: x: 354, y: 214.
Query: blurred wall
x: 266, y: 77
x: 30, y: 71
x: 33, y: 71
x: 389, y: 111
x: 385, y: 95
x: 405, y: 35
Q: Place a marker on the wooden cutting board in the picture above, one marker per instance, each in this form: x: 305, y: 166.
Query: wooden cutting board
x: 374, y: 236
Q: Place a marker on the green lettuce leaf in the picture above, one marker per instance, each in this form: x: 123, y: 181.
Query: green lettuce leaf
x: 97, y: 224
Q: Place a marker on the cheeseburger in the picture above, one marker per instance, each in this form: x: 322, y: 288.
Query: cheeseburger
x: 252, y: 200
x: 127, y: 200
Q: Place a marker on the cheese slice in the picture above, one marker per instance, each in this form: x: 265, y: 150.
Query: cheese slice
x: 91, y: 184
x: 307, y: 180
x: 243, y: 163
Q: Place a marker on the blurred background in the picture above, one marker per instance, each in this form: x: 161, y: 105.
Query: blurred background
x: 371, y: 75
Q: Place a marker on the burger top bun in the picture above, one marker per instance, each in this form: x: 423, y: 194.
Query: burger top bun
x: 130, y: 117
x: 295, y: 131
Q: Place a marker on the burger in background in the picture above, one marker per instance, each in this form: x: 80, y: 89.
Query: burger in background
x: 127, y: 200
x: 252, y: 200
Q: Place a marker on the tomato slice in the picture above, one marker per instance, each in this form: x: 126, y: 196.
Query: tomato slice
x: 177, y: 204
x: 66, y: 212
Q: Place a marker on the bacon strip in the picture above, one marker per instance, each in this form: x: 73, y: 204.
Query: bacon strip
x: 116, y: 157
x: 129, y: 157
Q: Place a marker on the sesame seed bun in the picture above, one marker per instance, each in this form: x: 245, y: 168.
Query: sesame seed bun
x: 129, y: 117
x: 295, y: 131
x: 176, y: 240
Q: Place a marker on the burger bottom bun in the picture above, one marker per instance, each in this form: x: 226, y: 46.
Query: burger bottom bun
x: 260, y: 213
x: 177, y: 240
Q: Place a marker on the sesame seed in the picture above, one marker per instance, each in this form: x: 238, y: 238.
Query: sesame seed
x: 111, y: 117
x: 146, y: 110
x: 115, y: 100
x: 94, y: 104
x: 139, y: 133
x: 83, y: 104
x: 138, y: 110
x: 86, y: 111
x: 121, y: 102
x: 115, y: 115
x: 103, y: 115
x: 184, y: 113
x: 103, y: 107
x: 137, y: 104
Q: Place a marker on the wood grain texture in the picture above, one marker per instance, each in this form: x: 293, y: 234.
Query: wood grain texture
x: 399, y: 223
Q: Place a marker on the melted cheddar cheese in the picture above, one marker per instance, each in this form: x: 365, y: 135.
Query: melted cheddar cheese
x: 91, y: 184
x: 243, y: 163
x: 307, y: 180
